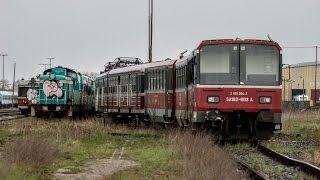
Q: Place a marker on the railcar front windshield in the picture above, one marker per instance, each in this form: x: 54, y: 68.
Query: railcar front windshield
x: 219, y: 64
x: 247, y: 64
x: 22, y: 91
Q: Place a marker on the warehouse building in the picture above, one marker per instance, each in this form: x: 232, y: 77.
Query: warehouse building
x: 300, y: 79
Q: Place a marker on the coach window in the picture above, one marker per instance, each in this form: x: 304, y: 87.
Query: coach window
x: 164, y: 79
x: 180, y: 77
x: 157, y: 80
x: 160, y: 79
x: 133, y: 84
x: 177, y: 77
x: 126, y: 84
x: 151, y: 80
x: 154, y: 80
x: 185, y: 76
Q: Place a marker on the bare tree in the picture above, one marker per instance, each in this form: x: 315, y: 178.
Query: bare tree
x: 93, y: 75
x: 6, y: 84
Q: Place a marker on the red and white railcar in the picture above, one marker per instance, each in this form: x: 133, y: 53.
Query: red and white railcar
x: 27, y: 92
x: 120, y: 92
x: 160, y: 85
x: 142, y: 91
x: 231, y: 85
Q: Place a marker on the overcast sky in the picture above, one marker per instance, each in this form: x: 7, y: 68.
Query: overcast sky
x: 85, y: 34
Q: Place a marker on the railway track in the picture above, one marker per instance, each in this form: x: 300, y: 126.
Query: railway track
x: 297, y: 168
x: 10, y: 114
x: 304, y: 166
x: 252, y: 173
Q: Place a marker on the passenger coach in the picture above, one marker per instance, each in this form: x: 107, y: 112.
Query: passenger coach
x: 141, y: 92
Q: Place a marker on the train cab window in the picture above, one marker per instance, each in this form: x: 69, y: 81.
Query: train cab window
x: 219, y: 64
x: 259, y: 64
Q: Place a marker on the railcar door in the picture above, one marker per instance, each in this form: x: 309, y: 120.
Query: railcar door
x: 166, y: 92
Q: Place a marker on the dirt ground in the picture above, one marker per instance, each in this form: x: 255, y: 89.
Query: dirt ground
x: 98, y: 169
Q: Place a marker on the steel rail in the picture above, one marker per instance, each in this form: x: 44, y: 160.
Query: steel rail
x: 305, y: 167
x: 252, y: 173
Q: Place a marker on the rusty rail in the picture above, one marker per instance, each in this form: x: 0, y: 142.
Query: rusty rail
x: 305, y: 167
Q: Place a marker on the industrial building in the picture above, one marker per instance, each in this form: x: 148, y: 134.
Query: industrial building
x: 299, y: 79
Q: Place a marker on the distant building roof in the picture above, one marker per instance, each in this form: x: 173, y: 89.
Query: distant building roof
x: 302, y: 64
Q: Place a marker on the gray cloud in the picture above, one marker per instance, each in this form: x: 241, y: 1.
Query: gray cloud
x: 84, y: 34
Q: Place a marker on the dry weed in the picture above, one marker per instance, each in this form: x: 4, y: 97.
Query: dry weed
x: 202, y: 159
x: 35, y: 152
x: 313, y: 157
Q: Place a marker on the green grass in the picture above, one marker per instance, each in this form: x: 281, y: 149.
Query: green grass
x: 80, y: 142
x: 304, y: 126
x: 267, y: 168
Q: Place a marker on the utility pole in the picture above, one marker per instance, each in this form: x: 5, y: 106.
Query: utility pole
x: 150, y: 7
x: 50, y: 58
x: 315, y: 77
x: 3, y: 55
x: 14, y: 77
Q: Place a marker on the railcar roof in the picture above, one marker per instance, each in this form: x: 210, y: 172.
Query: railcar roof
x: 138, y: 68
x: 238, y: 41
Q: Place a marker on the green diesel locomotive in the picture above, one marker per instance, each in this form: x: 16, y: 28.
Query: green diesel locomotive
x: 64, y: 92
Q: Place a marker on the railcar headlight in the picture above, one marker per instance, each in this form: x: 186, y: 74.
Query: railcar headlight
x: 33, y: 101
x: 265, y: 100
x: 213, y: 99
